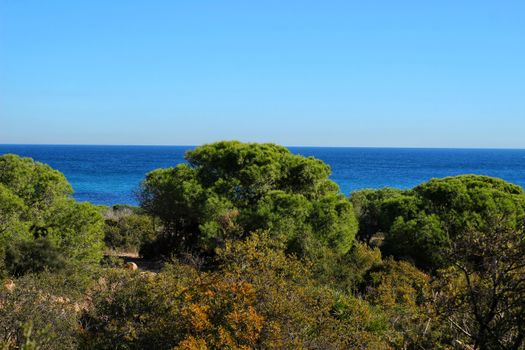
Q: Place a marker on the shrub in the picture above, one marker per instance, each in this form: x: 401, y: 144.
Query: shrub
x: 174, y: 309
x: 126, y: 230
x: 259, y: 298
x: 402, y: 294
x: 43, y: 310
x: 345, y: 273
x: 481, y: 297
x: 299, y: 312
x: 368, y: 206
x: 23, y: 257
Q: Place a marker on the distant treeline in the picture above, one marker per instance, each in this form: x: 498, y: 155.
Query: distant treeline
x: 261, y: 250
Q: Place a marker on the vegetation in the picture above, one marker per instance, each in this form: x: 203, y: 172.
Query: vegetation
x: 230, y: 189
x: 422, y: 223
x: 261, y: 251
x: 41, y: 226
x: 128, y: 228
x: 482, y: 293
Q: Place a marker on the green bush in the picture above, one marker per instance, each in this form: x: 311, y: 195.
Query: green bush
x: 22, y: 257
x: 230, y: 189
x: 368, y: 206
x: 127, y: 230
x: 420, y: 224
x: 37, y: 212
x: 402, y: 294
x: 345, y: 273
x: 50, y: 304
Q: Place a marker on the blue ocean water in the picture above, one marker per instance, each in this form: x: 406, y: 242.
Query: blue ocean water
x: 111, y: 174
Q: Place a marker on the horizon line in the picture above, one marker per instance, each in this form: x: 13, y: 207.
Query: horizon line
x: 287, y: 146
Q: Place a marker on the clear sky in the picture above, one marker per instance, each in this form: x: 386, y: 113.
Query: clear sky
x: 437, y: 73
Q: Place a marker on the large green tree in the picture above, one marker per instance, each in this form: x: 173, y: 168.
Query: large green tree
x: 230, y: 189
x: 36, y: 211
x: 421, y: 223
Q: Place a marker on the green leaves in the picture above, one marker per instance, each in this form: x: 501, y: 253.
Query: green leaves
x: 422, y: 240
x: 12, y: 213
x: 35, y: 205
x: 35, y: 183
x: 256, y: 187
x: 419, y: 224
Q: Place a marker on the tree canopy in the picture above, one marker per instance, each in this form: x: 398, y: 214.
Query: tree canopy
x: 420, y: 223
x: 37, y: 213
x: 230, y: 189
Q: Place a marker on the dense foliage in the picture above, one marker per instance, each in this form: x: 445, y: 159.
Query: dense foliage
x: 126, y: 228
x: 41, y: 226
x: 262, y: 257
x: 230, y: 189
x: 422, y: 223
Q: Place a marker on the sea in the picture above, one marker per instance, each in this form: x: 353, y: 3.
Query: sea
x: 111, y: 175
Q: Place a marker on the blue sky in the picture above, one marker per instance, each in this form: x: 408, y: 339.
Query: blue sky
x: 445, y: 73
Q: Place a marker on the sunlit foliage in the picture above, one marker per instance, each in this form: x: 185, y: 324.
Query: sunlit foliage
x: 40, y: 223
x: 230, y: 189
x: 420, y: 224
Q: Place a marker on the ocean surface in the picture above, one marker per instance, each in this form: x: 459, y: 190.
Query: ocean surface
x: 111, y: 174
